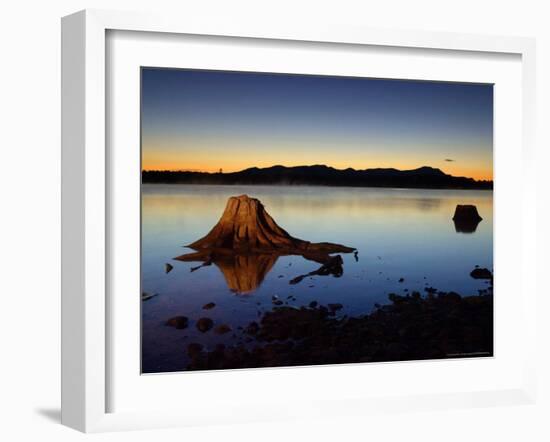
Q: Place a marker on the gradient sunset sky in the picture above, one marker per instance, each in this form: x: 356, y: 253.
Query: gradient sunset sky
x: 211, y: 120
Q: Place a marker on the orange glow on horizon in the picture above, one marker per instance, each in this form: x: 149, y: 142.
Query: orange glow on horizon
x: 454, y: 170
x: 207, y: 155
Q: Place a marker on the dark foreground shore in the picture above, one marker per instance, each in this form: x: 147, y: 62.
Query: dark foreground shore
x: 411, y: 327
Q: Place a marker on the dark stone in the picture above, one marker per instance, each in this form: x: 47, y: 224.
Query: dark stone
x: 252, y: 328
x: 466, y: 212
x: 179, y: 322
x: 194, y: 349
x: 205, y: 324
x: 481, y: 273
x: 401, y: 280
x: 335, y: 307
x: 466, y: 218
x: 410, y: 327
x: 313, y: 304
x: 222, y: 329
x: 168, y: 267
x: 209, y: 306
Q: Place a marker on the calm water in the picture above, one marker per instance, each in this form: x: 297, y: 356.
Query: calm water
x: 399, y: 233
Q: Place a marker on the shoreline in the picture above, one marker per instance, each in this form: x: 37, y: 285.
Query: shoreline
x: 412, y: 327
x: 158, y: 183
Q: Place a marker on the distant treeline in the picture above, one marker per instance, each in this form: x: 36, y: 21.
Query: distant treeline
x: 423, y: 177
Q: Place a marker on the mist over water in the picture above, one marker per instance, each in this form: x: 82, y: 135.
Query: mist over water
x: 403, y: 234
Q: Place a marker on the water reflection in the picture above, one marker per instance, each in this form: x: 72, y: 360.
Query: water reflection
x: 406, y: 240
x: 242, y: 273
x: 466, y: 226
x: 426, y: 204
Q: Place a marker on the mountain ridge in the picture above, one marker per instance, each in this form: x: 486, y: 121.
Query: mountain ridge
x: 322, y: 175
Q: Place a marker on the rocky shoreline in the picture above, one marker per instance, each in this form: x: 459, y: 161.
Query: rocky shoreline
x: 412, y: 327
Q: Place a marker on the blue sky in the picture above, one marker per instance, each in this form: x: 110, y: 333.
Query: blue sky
x: 207, y: 120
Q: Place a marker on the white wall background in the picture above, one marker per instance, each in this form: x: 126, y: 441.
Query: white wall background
x: 30, y: 219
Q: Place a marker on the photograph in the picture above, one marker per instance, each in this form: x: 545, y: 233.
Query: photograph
x: 300, y: 220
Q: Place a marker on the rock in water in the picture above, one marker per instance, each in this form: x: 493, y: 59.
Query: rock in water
x: 204, y: 324
x: 466, y: 218
x: 179, y: 322
x: 466, y: 212
x: 335, y: 307
x: 168, y: 267
x: 479, y: 273
x: 222, y: 329
x: 194, y: 349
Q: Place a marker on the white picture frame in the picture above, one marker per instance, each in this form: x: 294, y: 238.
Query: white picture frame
x: 85, y: 202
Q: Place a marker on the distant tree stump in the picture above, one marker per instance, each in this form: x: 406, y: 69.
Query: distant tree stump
x: 466, y: 212
x: 466, y: 218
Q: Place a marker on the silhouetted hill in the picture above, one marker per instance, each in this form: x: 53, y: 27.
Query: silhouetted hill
x: 321, y: 175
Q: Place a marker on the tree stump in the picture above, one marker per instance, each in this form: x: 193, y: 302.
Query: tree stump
x: 246, y: 242
x: 245, y: 226
x: 466, y: 218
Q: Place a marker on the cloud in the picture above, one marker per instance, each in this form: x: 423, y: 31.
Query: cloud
x: 450, y: 160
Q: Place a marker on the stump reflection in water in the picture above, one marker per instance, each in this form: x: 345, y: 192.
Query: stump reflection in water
x: 244, y: 273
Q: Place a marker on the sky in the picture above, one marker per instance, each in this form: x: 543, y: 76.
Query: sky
x: 210, y: 120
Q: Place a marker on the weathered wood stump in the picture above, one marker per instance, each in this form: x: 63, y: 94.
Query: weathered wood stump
x: 246, y: 242
x: 245, y: 226
x: 334, y: 266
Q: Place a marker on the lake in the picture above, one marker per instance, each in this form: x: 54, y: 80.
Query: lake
x: 405, y: 238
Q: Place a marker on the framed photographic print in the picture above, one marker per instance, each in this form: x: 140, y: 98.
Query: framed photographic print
x: 258, y: 158
x: 253, y: 214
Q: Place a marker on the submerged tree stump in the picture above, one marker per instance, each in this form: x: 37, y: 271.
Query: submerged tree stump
x: 466, y: 212
x: 466, y: 218
x: 245, y: 226
x: 246, y: 242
